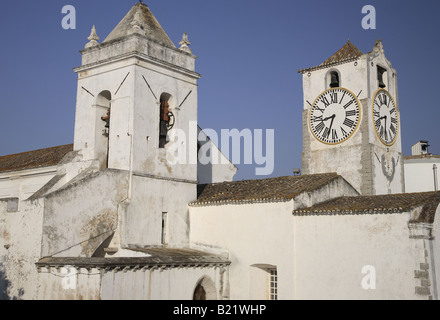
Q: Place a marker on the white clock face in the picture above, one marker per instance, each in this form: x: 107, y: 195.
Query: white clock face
x: 334, y: 116
x: 386, y: 122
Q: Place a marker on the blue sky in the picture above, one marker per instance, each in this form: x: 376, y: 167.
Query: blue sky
x: 248, y: 52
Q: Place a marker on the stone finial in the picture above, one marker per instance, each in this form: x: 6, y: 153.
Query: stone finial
x: 184, y: 43
x: 378, y: 46
x: 93, y: 38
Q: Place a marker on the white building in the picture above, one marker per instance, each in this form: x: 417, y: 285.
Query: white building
x: 422, y: 169
x: 129, y: 211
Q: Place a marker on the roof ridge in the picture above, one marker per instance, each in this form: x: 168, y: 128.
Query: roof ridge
x: 274, y: 189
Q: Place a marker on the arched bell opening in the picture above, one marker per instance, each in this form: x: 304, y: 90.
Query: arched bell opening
x: 102, y: 125
x: 333, y: 79
x: 166, y: 119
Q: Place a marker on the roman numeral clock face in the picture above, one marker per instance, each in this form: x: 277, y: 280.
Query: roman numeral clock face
x: 385, y: 117
x: 334, y: 116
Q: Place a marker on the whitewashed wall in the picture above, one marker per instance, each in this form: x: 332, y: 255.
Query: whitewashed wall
x: 419, y: 175
x: 24, y: 183
x: 147, y: 284
x: 331, y: 251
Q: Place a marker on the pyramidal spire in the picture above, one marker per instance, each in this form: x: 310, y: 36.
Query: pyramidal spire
x: 140, y: 20
x: 93, y: 38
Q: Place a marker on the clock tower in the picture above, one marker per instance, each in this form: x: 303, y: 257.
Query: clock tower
x: 351, y: 120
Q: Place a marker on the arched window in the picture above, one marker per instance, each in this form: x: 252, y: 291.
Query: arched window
x: 205, y: 290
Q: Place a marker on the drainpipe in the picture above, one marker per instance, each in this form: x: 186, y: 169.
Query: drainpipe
x: 434, y: 168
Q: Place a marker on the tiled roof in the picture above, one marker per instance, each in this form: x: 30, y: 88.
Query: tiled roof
x: 392, y: 203
x: 347, y: 53
x: 263, y: 190
x: 34, y: 159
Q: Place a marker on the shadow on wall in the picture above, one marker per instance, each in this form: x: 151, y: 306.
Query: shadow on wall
x: 5, y: 285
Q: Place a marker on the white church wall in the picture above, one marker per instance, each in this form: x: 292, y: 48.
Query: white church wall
x: 68, y: 283
x: 419, y: 175
x: 24, y: 183
x: 81, y: 215
x: 150, y: 198
x: 331, y: 252
x: 20, y: 247
x: 435, y: 259
x: 252, y: 234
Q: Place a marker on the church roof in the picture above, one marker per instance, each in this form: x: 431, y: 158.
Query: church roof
x: 158, y: 257
x: 263, y: 190
x: 34, y: 159
x: 142, y: 21
x: 348, y: 52
x: 390, y: 203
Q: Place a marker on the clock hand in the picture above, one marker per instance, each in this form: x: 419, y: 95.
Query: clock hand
x: 331, y: 123
x: 331, y: 117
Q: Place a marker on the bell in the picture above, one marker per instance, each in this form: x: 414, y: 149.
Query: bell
x: 334, y: 80
x: 380, y: 72
x: 381, y: 83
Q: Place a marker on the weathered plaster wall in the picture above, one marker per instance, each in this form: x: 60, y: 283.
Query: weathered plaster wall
x: 79, y: 216
x: 419, y: 175
x: 22, y: 184
x: 150, y: 197
x: 331, y: 251
x: 20, y: 245
x: 140, y: 284
x: 259, y: 233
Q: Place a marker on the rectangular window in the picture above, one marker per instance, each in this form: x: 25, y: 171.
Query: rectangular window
x: 164, y: 227
x: 273, y: 284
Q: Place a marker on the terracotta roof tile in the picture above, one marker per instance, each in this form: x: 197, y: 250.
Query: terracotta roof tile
x: 271, y: 189
x: 34, y: 159
x: 348, y: 52
x: 378, y: 204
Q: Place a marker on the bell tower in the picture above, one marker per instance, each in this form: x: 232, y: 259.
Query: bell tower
x: 136, y: 91
x: 136, y: 113
x: 351, y: 120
